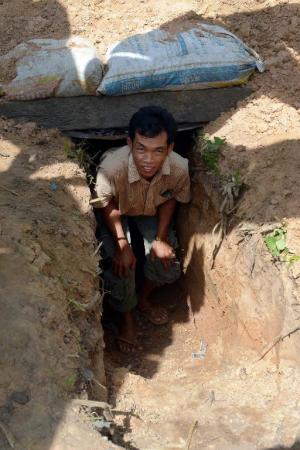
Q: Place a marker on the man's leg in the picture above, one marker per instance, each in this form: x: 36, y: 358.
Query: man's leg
x: 155, y: 273
x: 121, y: 295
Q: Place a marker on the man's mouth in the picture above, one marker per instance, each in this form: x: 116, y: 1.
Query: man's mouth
x: 148, y: 169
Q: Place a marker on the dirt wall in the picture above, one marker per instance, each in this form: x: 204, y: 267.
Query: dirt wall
x: 249, y: 298
x: 48, y: 271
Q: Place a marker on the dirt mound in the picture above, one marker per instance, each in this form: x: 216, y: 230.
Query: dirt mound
x: 47, y: 272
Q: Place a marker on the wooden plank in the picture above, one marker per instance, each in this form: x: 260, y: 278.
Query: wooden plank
x: 83, y: 113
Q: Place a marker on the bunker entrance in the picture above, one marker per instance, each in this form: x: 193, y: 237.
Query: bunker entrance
x: 95, y: 144
x: 155, y: 340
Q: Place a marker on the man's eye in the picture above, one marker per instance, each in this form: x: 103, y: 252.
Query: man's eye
x: 159, y: 150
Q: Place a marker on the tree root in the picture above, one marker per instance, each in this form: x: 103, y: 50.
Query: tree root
x: 277, y: 340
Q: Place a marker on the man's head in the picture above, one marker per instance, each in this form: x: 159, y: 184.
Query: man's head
x: 151, y: 138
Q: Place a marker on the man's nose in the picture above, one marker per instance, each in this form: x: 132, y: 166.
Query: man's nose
x: 148, y: 157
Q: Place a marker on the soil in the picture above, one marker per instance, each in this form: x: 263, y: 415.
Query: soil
x: 238, y: 309
x: 45, y: 337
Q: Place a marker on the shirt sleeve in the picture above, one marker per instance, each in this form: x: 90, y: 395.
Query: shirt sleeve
x: 104, y: 189
x: 182, y: 192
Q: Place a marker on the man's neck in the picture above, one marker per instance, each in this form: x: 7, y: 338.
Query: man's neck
x: 149, y: 179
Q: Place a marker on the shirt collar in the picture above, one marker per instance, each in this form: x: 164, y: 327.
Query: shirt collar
x: 133, y: 174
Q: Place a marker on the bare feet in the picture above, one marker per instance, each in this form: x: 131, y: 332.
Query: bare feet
x: 127, y: 337
x: 155, y: 314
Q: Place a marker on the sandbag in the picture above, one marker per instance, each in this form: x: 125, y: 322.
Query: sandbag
x: 52, y: 68
x: 206, y: 56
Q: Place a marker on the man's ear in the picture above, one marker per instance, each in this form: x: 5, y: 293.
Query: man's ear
x: 170, y: 148
x: 129, y: 143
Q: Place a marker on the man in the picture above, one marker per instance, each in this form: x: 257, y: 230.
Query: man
x: 141, y: 183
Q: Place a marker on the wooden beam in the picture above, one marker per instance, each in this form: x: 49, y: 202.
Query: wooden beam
x: 82, y: 113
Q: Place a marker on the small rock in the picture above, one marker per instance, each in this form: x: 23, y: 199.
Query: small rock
x: 6, y: 412
x: 53, y: 186
x: 243, y: 373
x: 42, y: 139
x: 28, y: 129
x: 245, y: 29
x: 63, y: 231
x: 21, y: 397
x: 119, y: 375
x: 102, y: 424
x: 87, y: 374
x: 294, y: 25
x: 240, y: 148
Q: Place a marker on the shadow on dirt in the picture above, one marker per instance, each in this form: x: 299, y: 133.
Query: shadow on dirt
x: 296, y: 446
x: 36, y: 379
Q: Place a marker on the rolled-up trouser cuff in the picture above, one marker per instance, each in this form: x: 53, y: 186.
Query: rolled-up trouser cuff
x: 122, y: 296
x: 126, y: 305
x: 155, y: 272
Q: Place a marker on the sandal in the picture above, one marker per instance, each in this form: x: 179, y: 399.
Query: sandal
x: 126, y: 346
x: 154, y: 315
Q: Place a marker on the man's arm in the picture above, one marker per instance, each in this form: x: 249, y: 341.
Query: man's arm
x: 161, y: 249
x: 124, y: 259
x: 165, y: 216
x: 112, y: 218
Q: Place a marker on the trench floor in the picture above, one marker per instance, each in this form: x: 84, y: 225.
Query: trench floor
x: 164, y: 396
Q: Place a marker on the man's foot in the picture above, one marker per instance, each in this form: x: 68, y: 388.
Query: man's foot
x: 127, y: 334
x: 126, y: 346
x: 157, y: 315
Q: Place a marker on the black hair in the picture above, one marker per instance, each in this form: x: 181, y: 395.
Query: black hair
x: 150, y: 121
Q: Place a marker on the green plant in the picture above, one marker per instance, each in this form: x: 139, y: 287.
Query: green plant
x: 293, y: 259
x: 91, y: 179
x: 71, y: 380
x: 82, y: 157
x: 68, y: 149
x: 276, y: 244
x: 211, y: 151
x: 77, y: 153
x: 276, y: 241
x: 76, y: 305
x: 236, y: 178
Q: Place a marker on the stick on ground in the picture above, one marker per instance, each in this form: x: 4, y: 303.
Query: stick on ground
x: 277, y: 340
x: 191, y: 432
x: 8, y: 190
x: 8, y: 434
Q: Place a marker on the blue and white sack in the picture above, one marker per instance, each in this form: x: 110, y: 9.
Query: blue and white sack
x: 207, y: 56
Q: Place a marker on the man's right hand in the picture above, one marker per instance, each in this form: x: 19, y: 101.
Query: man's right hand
x: 124, y: 259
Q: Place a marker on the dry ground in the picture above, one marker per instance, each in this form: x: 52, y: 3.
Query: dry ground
x: 47, y: 242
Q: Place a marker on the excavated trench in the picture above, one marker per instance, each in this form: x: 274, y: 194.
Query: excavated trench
x: 211, y: 377
x: 222, y: 374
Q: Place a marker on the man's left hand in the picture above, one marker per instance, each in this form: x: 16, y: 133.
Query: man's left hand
x: 163, y: 251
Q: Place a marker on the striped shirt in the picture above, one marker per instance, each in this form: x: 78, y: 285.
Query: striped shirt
x: 118, y: 179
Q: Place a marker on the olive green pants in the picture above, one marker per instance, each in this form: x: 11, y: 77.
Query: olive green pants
x: 122, y: 291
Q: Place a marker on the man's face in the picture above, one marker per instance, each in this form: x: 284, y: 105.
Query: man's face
x: 149, y: 154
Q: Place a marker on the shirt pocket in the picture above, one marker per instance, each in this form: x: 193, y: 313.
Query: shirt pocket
x: 167, y: 194
x: 164, y: 196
